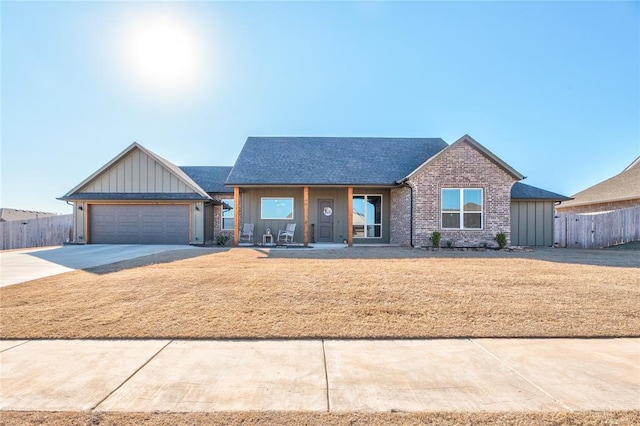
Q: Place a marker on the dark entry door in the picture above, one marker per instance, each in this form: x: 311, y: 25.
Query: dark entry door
x: 325, y: 221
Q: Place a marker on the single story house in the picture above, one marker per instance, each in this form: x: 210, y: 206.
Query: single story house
x: 618, y: 192
x: 354, y: 190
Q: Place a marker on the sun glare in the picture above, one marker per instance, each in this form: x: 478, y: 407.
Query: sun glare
x: 163, y: 54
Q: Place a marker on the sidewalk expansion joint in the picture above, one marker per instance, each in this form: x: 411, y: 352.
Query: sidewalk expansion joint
x: 516, y: 372
x: 326, y: 376
x: 131, y: 375
x: 12, y: 347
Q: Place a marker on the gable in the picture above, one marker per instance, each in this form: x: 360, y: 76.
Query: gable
x: 330, y: 160
x: 138, y: 171
x: 467, y: 141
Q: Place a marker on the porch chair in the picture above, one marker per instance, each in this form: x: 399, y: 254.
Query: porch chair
x: 286, y: 236
x: 246, y: 234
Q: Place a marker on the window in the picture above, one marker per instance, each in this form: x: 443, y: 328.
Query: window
x: 227, y: 214
x: 367, y: 216
x: 277, y: 208
x: 462, y: 203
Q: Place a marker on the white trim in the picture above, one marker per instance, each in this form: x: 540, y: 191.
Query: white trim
x: 293, y: 208
x: 462, y: 211
x: 222, y: 218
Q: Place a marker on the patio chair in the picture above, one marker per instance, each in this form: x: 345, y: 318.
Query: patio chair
x: 286, y: 236
x: 246, y: 234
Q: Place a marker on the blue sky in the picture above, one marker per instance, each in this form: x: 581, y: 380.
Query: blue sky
x: 552, y: 88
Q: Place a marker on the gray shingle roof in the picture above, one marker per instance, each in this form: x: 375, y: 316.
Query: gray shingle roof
x: 211, y: 179
x: 133, y: 196
x: 330, y: 161
x: 522, y: 191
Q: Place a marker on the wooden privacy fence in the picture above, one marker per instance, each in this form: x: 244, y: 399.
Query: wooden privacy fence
x: 597, y: 230
x: 40, y: 232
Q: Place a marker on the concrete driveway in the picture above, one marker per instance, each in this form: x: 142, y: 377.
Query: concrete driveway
x: 18, y: 266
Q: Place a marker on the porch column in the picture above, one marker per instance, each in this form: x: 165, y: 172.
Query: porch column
x: 350, y: 216
x: 306, y: 215
x: 236, y: 215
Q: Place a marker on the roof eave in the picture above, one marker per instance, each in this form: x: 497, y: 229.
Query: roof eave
x: 291, y: 185
x: 156, y: 157
x: 609, y: 200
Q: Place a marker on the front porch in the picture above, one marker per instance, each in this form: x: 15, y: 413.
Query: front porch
x: 335, y: 215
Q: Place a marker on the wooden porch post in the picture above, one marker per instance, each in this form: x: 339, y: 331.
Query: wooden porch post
x: 350, y: 216
x: 236, y: 215
x: 306, y: 216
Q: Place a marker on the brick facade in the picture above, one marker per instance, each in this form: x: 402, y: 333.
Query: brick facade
x: 400, y: 216
x: 217, y: 224
x: 461, y: 166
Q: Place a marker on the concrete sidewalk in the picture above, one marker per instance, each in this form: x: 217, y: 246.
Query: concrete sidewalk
x: 321, y: 375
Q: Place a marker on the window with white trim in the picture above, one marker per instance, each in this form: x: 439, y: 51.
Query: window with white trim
x: 227, y: 214
x: 367, y: 216
x: 462, y: 208
x: 276, y: 208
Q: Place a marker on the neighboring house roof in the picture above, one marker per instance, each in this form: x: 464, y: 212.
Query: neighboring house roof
x: 135, y: 196
x: 211, y: 179
x: 330, y: 160
x: 621, y: 187
x: 522, y: 191
x: 8, y: 215
x: 165, y: 163
x: 472, y: 142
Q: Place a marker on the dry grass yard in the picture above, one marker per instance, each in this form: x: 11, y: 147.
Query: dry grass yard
x: 283, y: 418
x: 344, y: 293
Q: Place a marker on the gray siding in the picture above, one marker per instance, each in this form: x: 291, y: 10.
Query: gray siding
x: 250, y: 211
x: 139, y: 224
x: 136, y: 173
x: 339, y: 197
x: 532, y: 223
x: 209, y: 224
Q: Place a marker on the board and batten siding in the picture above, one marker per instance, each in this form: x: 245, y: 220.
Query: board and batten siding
x: 532, y: 223
x: 339, y: 197
x: 251, y: 204
x: 137, y: 173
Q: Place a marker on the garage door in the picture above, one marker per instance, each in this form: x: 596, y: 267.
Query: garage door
x: 139, y: 224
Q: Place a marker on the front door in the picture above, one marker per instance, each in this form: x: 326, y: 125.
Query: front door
x: 325, y: 221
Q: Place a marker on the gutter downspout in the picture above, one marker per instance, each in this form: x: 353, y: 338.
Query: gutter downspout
x: 404, y: 182
x: 410, y: 216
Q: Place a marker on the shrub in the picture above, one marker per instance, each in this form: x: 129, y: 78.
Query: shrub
x: 501, y: 239
x: 435, y: 238
x: 222, y: 240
